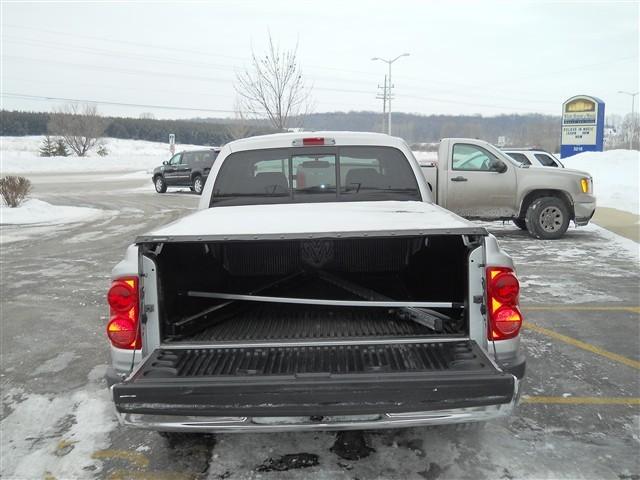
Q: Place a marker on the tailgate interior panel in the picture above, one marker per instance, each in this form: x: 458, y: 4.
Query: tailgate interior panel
x: 314, y: 380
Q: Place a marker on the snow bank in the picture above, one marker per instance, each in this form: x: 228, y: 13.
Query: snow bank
x: 616, y: 177
x: 38, y: 212
x: 21, y: 155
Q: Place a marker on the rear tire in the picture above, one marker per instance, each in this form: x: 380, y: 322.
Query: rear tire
x: 160, y: 184
x: 547, y: 218
x: 520, y: 223
x: 198, y: 184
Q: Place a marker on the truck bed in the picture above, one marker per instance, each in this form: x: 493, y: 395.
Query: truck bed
x: 271, y: 322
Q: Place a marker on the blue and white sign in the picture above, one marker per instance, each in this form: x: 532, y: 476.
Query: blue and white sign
x: 582, y: 125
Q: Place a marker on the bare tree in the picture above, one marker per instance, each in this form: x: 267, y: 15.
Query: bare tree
x: 273, y: 86
x: 79, y: 125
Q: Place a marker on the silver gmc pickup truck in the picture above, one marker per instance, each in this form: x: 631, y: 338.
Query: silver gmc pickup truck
x: 318, y: 287
x: 477, y: 180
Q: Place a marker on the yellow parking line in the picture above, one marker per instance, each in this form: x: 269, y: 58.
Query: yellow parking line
x: 580, y: 308
x: 134, y: 458
x: 157, y: 475
x: 582, y: 400
x: 583, y: 345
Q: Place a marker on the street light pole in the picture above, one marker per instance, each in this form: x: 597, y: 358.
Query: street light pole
x: 633, y: 115
x: 389, y: 62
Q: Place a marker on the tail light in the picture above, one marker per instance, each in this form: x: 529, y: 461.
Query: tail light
x: 313, y: 141
x: 123, y: 300
x: 503, y: 295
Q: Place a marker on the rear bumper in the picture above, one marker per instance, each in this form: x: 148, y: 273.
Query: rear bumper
x: 240, y: 424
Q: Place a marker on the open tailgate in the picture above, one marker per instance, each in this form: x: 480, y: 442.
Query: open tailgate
x: 336, y: 379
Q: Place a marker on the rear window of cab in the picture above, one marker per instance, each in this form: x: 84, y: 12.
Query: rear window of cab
x: 322, y: 174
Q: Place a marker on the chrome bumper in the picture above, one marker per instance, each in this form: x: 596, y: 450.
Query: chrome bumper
x: 175, y: 423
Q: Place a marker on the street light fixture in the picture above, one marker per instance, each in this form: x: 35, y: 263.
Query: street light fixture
x: 389, y: 62
x: 633, y: 116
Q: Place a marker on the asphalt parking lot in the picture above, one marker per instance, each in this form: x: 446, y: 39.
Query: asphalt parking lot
x: 580, y: 416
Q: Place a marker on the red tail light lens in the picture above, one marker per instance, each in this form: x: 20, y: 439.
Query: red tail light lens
x: 121, y: 295
x: 505, y: 288
x: 123, y: 299
x: 503, y: 292
x: 313, y: 141
x: 122, y: 332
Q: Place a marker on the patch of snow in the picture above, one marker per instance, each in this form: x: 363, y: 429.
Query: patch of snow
x: 56, y: 434
x: 616, y: 177
x: 56, y: 364
x: 38, y: 212
x: 20, y: 155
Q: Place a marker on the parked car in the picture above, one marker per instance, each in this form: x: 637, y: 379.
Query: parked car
x: 477, y: 180
x: 185, y: 169
x: 533, y: 157
x: 317, y: 287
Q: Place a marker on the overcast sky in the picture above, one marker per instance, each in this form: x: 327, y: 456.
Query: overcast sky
x: 465, y: 58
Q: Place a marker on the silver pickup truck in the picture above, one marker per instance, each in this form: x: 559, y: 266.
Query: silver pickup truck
x: 476, y: 180
x: 318, y: 287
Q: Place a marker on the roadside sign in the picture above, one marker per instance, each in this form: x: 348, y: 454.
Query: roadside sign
x: 172, y: 143
x: 502, y: 141
x: 582, y: 125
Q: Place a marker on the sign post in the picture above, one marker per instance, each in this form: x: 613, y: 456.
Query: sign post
x: 172, y: 143
x: 582, y: 125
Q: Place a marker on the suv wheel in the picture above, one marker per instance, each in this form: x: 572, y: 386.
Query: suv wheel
x: 547, y: 218
x: 198, y: 184
x: 160, y: 184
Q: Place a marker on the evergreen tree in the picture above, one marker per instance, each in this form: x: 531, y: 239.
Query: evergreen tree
x: 61, y: 149
x: 48, y: 147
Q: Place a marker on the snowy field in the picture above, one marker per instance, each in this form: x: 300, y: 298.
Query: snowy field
x: 616, y: 177
x: 21, y: 155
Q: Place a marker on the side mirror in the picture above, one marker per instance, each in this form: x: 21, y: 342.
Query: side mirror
x: 498, y: 167
x: 166, y: 162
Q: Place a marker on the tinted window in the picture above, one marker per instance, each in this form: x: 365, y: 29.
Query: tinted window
x: 175, y: 160
x: 520, y: 158
x: 471, y: 157
x: 314, y: 174
x: 369, y: 173
x: 546, y: 160
x: 189, y: 158
x: 209, y: 157
x: 289, y: 175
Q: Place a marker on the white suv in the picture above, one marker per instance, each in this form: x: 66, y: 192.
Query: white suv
x: 533, y: 157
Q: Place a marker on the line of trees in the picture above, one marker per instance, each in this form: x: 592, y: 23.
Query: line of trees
x: 196, y: 132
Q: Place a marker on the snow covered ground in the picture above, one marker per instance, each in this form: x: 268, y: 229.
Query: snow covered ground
x: 616, y: 177
x: 21, y: 155
x: 37, y: 212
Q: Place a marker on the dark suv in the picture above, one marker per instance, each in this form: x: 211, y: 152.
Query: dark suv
x: 185, y: 169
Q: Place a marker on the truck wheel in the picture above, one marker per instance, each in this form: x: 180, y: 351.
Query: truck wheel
x: 547, y: 218
x: 520, y: 223
x: 160, y: 184
x: 198, y: 184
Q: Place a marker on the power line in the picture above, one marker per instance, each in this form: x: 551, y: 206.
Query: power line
x: 105, y: 102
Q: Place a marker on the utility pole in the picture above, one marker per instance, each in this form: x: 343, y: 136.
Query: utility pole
x: 383, y: 97
x: 390, y: 62
x: 633, y: 116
